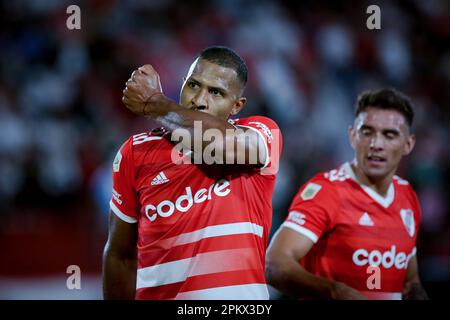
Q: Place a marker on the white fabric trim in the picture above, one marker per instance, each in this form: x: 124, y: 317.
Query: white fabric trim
x: 401, y: 180
x: 202, y: 263
x: 119, y: 213
x: 384, y: 201
x: 266, y: 147
x: 306, y: 232
x: 254, y: 291
x: 214, y: 231
x: 374, y: 295
x: 143, y: 137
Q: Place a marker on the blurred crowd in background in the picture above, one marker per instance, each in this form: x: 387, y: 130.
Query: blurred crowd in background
x: 62, y: 119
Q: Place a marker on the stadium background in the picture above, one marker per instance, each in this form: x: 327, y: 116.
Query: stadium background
x: 62, y: 120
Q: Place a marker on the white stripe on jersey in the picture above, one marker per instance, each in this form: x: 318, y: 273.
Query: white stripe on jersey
x: 120, y: 214
x: 144, y: 137
x: 255, y: 291
x: 202, y: 263
x: 163, y: 176
x: 306, y: 232
x: 213, y: 231
x: 376, y: 295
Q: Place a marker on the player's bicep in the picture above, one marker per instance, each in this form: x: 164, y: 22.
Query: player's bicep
x: 288, y: 242
x: 122, y: 237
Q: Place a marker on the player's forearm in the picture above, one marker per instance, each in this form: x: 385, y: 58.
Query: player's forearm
x: 173, y: 116
x: 196, y: 123
x: 414, y: 291
x: 119, y: 276
x: 289, y: 277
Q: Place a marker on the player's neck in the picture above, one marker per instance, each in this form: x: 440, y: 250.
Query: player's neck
x: 380, y: 186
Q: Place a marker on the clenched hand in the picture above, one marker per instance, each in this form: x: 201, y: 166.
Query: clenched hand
x: 140, y: 89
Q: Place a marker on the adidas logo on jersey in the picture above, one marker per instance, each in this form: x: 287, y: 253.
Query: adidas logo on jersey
x: 159, y: 179
x: 365, y: 220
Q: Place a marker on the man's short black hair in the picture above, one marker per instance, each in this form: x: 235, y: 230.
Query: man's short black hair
x: 227, y: 58
x: 387, y: 99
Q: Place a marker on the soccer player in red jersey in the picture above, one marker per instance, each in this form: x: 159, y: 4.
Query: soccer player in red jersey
x: 192, y: 229
x: 351, y: 232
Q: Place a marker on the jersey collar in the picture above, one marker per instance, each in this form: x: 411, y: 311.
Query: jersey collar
x: 384, y: 201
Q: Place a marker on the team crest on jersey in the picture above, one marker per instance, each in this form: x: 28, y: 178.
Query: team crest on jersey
x: 408, y: 220
x: 310, y: 191
x: 117, y: 160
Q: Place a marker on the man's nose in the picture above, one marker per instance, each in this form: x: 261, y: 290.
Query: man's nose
x: 377, y: 142
x: 200, y: 99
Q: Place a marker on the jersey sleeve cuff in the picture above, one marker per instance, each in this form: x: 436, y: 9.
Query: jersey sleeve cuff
x: 266, y: 147
x: 306, y: 232
x: 119, y: 213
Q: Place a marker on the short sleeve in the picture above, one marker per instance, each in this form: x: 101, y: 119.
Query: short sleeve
x: 311, y: 210
x: 270, y: 133
x: 124, y: 201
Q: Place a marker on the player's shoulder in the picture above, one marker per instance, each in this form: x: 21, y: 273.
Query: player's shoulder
x: 141, y: 142
x: 266, y: 126
x: 155, y: 135
x: 326, y: 183
x: 262, y: 122
x: 403, y: 185
x: 337, y: 177
x: 318, y: 186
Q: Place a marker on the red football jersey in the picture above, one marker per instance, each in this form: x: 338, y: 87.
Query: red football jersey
x: 202, y: 229
x: 354, y: 228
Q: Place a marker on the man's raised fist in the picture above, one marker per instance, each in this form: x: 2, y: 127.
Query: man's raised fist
x: 140, y: 89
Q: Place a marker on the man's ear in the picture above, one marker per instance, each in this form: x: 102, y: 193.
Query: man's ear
x: 352, y: 136
x: 409, y: 145
x: 240, y: 103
